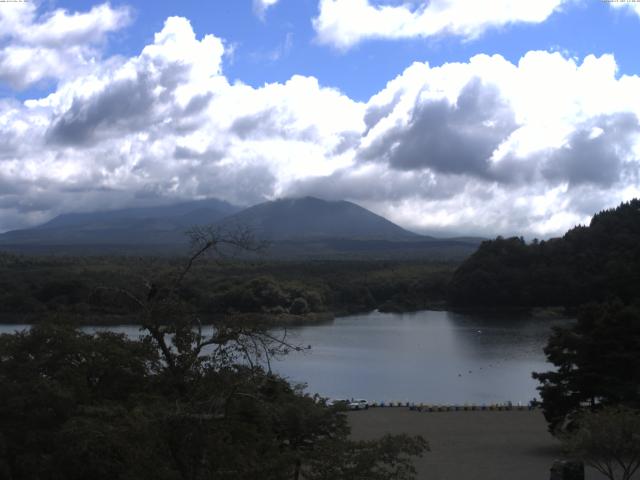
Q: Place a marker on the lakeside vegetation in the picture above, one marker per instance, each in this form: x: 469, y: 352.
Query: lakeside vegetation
x: 599, y: 262
x: 81, y: 287
x: 596, y: 365
x: 593, y: 263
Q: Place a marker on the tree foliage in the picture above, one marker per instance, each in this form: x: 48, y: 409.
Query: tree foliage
x: 593, y: 263
x: 596, y: 364
x: 609, y: 441
x: 186, y: 401
x: 389, y: 457
x: 33, y: 287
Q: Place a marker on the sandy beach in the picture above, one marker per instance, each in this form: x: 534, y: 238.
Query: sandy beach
x: 473, y: 445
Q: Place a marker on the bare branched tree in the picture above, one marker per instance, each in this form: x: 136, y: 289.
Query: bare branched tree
x: 177, y: 329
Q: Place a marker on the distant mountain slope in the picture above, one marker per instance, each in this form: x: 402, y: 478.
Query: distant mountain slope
x: 181, y: 214
x: 589, y: 263
x: 312, y: 218
x: 298, y: 228
x: 161, y: 225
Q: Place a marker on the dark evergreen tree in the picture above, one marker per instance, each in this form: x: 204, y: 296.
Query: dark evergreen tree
x: 597, y: 364
x: 595, y: 263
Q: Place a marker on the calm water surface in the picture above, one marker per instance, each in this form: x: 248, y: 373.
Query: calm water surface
x: 429, y: 356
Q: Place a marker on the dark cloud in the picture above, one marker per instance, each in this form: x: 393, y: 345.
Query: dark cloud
x: 154, y: 190
x: 588, y: 199
x: 379, y: 185
x: 241, y: 185
x: 123, y: 106
x: 448, y: 138
x: 11, y: 186
x: 348, y: 140
x: 30, y: 198
x: 514, y: 169
x: 8, y: 145
x: 249, y: 125
x: 48, y: 197
x: 210, y: 154
x: 238, y: 184
x: 375, y: 112
x: 197, y: 104
x: 270, y: 123
x: 84, y: 188
x: 128, y: 106
x: 460, y: 139
x: 595, y: 152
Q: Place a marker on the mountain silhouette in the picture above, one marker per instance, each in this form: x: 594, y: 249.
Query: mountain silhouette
x: 305, y: 227
x: 312, y: 218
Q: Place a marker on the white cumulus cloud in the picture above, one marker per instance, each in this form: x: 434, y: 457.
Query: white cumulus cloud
x: 345, y: 23
x: 631, y: 6
x: 490, y: 146
x: 163, y: 125
x: 53, y: 45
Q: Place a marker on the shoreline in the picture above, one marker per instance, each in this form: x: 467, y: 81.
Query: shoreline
x: 110, y: 320
x: 279, y: 320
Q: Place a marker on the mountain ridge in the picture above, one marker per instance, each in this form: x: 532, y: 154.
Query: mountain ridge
x: 313, y: 218
x: 296, y: 227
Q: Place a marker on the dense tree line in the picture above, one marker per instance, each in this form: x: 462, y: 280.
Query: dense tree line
x: 74, y: 286
x: 588, y: 264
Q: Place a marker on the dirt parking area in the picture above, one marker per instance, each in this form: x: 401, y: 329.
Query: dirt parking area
x: 470, y: 445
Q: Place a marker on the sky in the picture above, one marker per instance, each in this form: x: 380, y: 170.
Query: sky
x: 449, y: 117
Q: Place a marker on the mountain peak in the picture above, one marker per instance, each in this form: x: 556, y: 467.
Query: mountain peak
x: 305, y: 227
x: 310, y: 217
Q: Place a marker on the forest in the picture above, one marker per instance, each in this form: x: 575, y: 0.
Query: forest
x: 593, y: 263
x: 80, y: 287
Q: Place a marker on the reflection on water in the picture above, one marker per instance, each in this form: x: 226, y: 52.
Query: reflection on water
x: 432, y: 357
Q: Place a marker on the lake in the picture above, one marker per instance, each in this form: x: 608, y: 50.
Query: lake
x: 429, y: 356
